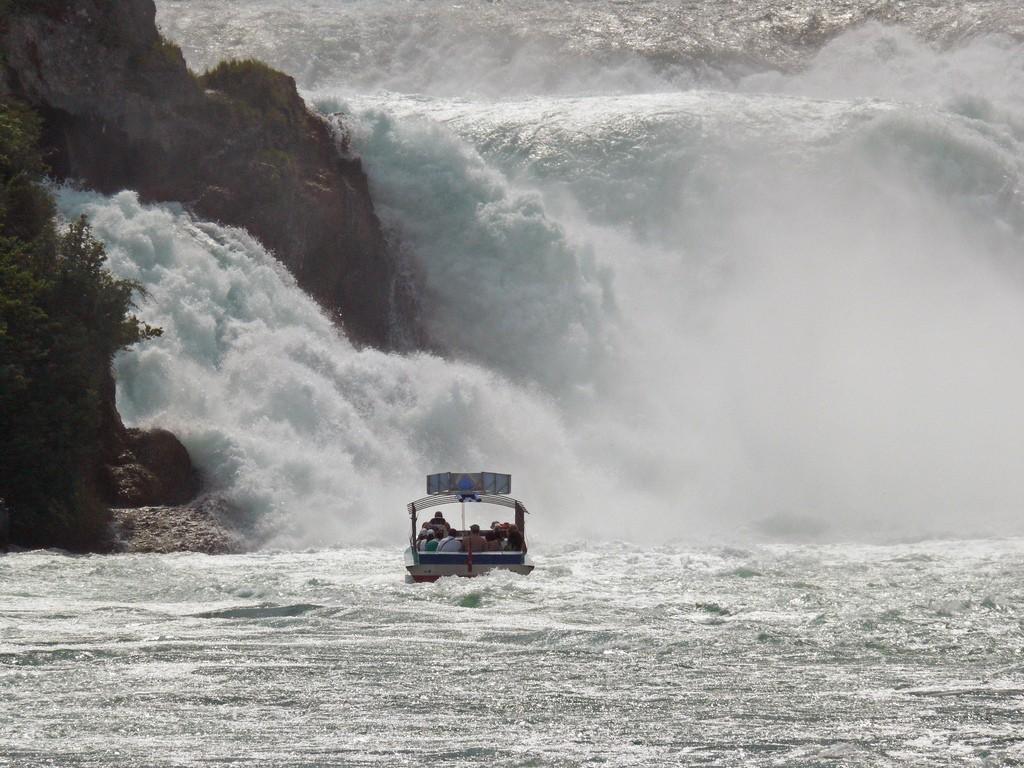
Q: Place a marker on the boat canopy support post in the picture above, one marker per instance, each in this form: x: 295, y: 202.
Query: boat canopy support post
x: 521, y: 518
x: 412, y: 516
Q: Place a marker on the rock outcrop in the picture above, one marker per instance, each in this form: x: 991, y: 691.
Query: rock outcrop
x: 208, y: 525
x: 238, y: 145
x: 137, y: 468
x: 152, y: 468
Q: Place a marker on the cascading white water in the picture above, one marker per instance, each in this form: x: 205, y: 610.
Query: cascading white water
x: 322, y: 443
x: 793, y: 303
x: 818, y: 301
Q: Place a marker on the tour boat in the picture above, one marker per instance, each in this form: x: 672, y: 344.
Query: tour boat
x: 464, y: 488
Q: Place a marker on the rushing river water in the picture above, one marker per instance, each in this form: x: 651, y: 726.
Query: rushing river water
x: 693, y: 272
x: 607, y: 655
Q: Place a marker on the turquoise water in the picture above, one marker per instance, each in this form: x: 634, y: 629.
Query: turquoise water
x: 607, y: 655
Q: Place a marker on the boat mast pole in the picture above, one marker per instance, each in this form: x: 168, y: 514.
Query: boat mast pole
x: 469, y: 550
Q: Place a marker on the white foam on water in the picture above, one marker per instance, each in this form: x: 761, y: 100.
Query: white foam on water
x: 642, y: 656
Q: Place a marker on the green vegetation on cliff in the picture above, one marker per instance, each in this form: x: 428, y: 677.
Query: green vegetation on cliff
x: 259, y: 100
x: 261, y: 87
x: 63, y: 317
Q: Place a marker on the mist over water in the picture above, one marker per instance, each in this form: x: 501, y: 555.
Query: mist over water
x: 768, y: 288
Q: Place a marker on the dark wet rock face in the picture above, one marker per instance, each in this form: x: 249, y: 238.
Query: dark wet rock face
x: 237, y: 145
x: 152, y: 468
x: 135, y: 467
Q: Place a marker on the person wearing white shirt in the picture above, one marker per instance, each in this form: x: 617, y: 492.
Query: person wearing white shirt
x: 450, y: 543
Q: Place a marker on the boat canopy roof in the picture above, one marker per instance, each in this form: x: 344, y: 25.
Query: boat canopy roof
x: 455, y: 487
x: 436, y: 501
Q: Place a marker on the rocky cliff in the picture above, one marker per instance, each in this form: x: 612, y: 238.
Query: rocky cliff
x: 237, y: 145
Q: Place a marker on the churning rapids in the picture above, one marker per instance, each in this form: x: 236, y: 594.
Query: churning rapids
x: 606, y: 655
x: 734, y: 292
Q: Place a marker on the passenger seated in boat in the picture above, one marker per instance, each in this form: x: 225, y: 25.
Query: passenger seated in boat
x: 427, y: 541
x: 495, y: 537
x: 473, y: 541
x: 516, y: 542
x: 449, y: 543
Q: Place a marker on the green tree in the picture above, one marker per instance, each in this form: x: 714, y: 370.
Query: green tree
x: 63, y: 317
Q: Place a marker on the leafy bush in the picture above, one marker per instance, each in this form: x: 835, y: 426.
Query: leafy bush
x: 253, y: 82
x: 257, y: 98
